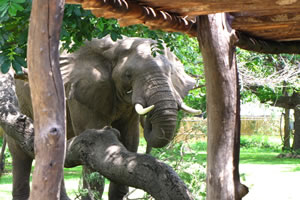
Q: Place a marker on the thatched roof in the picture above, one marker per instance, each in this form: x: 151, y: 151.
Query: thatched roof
x: 271, y: 20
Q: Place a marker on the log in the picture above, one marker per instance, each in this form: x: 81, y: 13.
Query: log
x: 216, y: 41
x: 260, y: 45
x: 100, y: 150
x: 48, y: 99
x: 12, y: 121
x: 288, y: 102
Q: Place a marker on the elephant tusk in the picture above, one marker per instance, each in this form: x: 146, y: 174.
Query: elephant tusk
x: 188, y: 109
x: 142, y: 111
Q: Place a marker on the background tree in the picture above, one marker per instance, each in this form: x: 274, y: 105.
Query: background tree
x: 273, y: 80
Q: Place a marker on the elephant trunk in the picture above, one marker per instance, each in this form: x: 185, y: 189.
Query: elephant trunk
x: 160, y: 123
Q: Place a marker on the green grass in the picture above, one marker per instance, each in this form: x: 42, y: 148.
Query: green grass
x: 295, y: 169
x: 265, y: 158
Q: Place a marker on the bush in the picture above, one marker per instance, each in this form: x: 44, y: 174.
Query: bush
x: 260, y: 141
x: 189, y: 161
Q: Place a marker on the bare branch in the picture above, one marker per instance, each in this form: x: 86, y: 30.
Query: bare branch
x: 290, y: 74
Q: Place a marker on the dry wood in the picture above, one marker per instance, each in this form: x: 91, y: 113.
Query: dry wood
x: 297, y: 127
x: 132, y: 13
x: 288, y: 102
x: 266, y: 46
x: 204, y: 7
x: 48, y: 98
x: 216, y: 42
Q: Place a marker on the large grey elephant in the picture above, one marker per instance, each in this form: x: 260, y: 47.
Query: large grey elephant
x: 111, y: 83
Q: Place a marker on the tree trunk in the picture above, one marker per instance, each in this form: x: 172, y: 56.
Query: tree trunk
x: 297, y: 128
x: 2, y: 156
x: 99, y: 150
x: 216, y: 43
x: 286, y: 136
x: 48, y: 98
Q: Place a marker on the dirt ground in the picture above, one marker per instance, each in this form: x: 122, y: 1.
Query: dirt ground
x: 271, y: 182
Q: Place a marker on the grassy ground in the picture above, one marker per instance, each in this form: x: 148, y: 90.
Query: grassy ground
x: 260, y: 169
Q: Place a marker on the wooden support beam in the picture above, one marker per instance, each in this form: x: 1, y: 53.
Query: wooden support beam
x: 266, y: 46
x: 204, y: 7
x: 279, y: 27
x: 288, y: 102
x: 216, y: 43
x: 129, y: 13
x: 48, y: 98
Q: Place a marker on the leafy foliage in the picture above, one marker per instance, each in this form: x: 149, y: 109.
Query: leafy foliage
x: 189, y: 162
x: 13, y: 33
x: 259, y: 142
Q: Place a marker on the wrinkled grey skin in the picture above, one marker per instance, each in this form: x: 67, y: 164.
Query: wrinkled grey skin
x: 105, y: 79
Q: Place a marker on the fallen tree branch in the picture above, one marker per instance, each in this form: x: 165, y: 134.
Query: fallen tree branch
x: 98, y: 149
x: 102, y: 151
x: 13, y: 122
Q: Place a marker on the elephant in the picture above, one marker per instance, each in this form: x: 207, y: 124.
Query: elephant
x: 117, y: 83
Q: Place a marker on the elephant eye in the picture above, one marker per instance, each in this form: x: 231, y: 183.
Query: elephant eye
x: 128, y: 75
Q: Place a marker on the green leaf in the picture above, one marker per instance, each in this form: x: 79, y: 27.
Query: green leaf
x: 77, y: 11
x: 3, y: 9
x: 114, y: 36
x: 2, y: 59
x: 21, y: 61
x: 4, y: 3
x: 100, y: 26
x: 18, y: 1
x: 17, y: 7
x: 5, y: 67
x: 17, y: 67
x: 3, y: 6
x: 12, y: 11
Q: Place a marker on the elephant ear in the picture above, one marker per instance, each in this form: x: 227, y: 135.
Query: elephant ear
x: 87, y: 75
x: 182, y: 82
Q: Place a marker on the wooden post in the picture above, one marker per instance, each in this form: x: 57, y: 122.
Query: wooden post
x: 297, y: 127
x: 48, y: 97
x: 286, y: 136
x: 217, y: 47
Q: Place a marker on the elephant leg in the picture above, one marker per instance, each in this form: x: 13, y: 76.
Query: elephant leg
x: 21, y: 171
x: 129, y: 130
x: 94, y: 183
x: 117, y: 191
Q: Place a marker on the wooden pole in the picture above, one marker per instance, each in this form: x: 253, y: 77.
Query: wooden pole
x: 48, y: 97
x: 216, y: 41
x: 297, y: 128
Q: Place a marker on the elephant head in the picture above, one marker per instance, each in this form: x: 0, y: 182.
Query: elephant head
x: 125, y: 72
